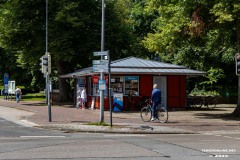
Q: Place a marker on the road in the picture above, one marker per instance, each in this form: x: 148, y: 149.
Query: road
x: 25, y: 143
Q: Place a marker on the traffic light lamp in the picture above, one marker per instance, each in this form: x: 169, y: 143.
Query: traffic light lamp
x: 46, y: 64
x: 237, y: 58
x: 43, y: 67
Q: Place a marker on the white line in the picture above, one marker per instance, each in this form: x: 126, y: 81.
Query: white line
x: 42, y: 136
x: 211, y: 140
x: 227, y: 137
x: 124, y: 135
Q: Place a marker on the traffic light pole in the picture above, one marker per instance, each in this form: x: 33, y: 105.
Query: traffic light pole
x: 238, y: 90
x: 102, y: 57
x: 47, y: 74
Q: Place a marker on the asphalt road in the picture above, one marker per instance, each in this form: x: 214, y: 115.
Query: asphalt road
x: 25, y: 143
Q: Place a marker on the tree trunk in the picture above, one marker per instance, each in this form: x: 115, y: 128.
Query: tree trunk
x: 62, y: 83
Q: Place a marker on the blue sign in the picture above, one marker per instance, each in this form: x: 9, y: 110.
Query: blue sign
x: 102, y: 85
x: 6, y: 78
x: 118, y: 102
x: 128, y: 78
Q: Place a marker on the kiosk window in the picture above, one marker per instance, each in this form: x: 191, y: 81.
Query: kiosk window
x: 117, y: 84
x: 131, y: 85
x: 94, y: 85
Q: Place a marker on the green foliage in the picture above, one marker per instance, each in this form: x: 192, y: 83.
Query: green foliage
x: 33, y: 97
x: 213, y: 76
x: 74, y: 32
x: 203, y: 92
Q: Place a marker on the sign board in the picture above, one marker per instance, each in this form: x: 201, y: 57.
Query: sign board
x: 118, y: 102
x: 102, y: 85
x: 100, y: 53
x: 100, y: 62
x: 100, y: 68
x: 11, y: 87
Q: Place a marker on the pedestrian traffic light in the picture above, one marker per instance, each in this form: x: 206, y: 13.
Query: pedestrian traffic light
x: 237, y: 58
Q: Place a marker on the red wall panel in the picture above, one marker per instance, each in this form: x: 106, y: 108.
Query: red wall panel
x: 145, y: 85
x: 176, y: 89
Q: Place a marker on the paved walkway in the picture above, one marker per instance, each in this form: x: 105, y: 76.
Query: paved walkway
x: 70, y: 119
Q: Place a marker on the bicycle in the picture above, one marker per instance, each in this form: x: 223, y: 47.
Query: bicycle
x: 146, y: 113
x: 194, y: 101
x: 199, y: 101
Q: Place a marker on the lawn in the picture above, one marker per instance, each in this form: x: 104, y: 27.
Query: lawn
x: 31, y: 97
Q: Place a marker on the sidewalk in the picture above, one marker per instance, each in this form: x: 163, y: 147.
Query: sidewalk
x: 69, y: 119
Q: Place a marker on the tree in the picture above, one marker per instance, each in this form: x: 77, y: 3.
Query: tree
x: 74, y: 33
x: 207, y: 31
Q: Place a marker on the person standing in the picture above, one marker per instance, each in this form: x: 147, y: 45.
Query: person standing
x: 156, y: 99
x: 18, y: 94
x: 83, y: 97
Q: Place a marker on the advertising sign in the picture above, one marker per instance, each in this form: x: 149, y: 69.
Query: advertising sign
x: 11, y: 87
x: 117, y: 102
x: 6, y: 79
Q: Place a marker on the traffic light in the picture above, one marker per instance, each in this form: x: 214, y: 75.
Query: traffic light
x: 43, y: 67
x: 237, y: 58
x: 46, y: 64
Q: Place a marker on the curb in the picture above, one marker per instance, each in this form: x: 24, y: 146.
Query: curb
x: 117, y: 129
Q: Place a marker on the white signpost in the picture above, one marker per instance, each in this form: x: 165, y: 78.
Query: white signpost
x: 100, y: 53
x: 100, y: 65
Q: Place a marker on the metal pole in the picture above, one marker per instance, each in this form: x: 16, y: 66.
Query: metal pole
x: 109, y: 88
x: 238, y: 90
x: 46, y: 26
x: 47, y: 75
x: 102, y: 57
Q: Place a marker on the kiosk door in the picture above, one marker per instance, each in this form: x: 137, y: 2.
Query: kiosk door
x: 161, y: 81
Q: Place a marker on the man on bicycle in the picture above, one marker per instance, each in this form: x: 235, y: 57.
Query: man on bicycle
x: 156, y: 100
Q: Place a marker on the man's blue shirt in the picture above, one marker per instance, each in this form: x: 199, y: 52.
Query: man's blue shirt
x: 156, y: 95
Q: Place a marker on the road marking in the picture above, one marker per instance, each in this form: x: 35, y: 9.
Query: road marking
x: 42, y: 136
x: 211, y: 140
x: 124, y: 135
x: 228, y: 137
x: 218, y: 135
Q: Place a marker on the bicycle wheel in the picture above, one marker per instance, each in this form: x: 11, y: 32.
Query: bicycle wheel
x: 162, y: 115
x: 211, y: 103
x: 197, y: 103
x: 146, y: 114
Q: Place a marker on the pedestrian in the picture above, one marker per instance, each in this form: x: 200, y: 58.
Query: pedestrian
x: 156, y: 100
x: 18, y: 93
x: 79, y: 100
x: 83, y: 97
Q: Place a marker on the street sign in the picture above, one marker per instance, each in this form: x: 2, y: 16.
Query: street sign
x: 102, y: 85
x: 100, y: 62
x: 100, y: 53
x: 100, y: 68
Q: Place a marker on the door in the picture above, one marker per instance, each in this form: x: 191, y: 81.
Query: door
x: 161, y: 81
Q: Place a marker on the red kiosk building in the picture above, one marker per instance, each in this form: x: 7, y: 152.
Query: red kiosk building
x: 134, y: 78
